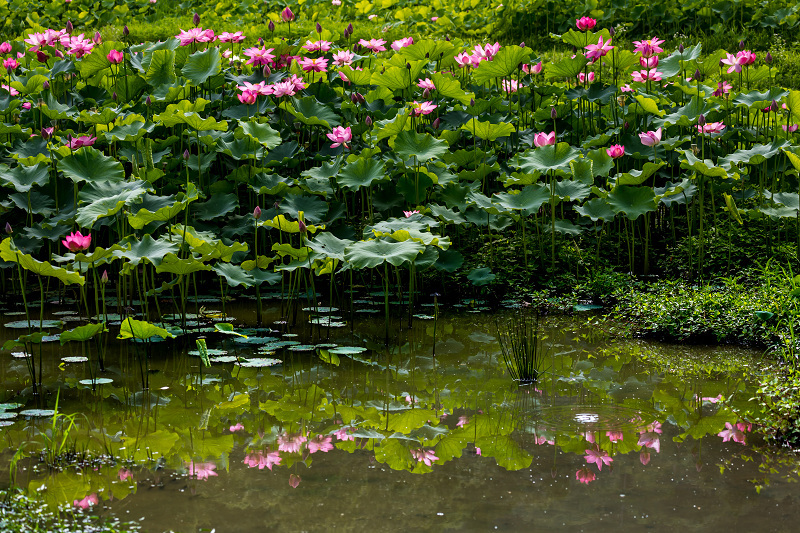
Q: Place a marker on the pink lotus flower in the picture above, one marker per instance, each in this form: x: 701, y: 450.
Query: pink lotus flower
x: 596, y: 51
x: 463, y: 59
x: 407, y: 214
x: 373, y: 45
x: 535, y: 69
x: 83, y: 140
x: 340, y: 136
x: 510, y: 86
x: 77, y: 242
x: 651, y: 138
x: 298, y: 82
x: 585, y: 23
x: 283, y: 88
x: 649, y: 47
x: 599, y: 457
x: 422, y: 108
x: 582, y: 77
x: 649, y: 62
x: 316, y: 64
x: 615, y: 151
x: 733, y: 433
x: 343, y: 58
x: 5, y: 47
x: 584, y: 475
x: 734, y: 63
x: 259, y: 56
x: 402, y: 43
x: 115, y: 57
x: 239, y: 426
x: 723, y: 88
x: 262, y: 460
x: 615, y: 436
x: 320, y: 443
x: 87, y: 502
x: 195, y: 35
x: 291, y: 443
x: 80, y: 47
x: 248, y: 97
x: 12, y: 91
x: 201, y: 470
x: 26, y: 106
x: 317, y: 46
x: 746, y: 57
x: 124, y: 474
x: 227, y: 37
x: 790, y: 129
x: 426, y: 84
x: 10, y: 64
x: 711, y: 127
x: 544, y: 139
x: 424, y: 456
x: 259, y: 88
x: 644, y: 75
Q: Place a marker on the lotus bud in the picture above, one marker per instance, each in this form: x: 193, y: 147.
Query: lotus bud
x: 522, y: 44
x: 271, y: 27
x: 69, y: 27
x: 196, y: 19
x: 368, y: 121
x: 104, y: 277
x: 148, y: 102
x: 553, y: 113
x: 447, y: 38
x: 354, y: 98
x: 741, y: 45
x: 768, y: 58
x: 625, y: 125
x: 186, y: 155
x: 260, y: 41
x: 680, y: 48
x: 275, y: 206
x: 125, y: 31
x: 319, y: 27
x: 45, y: 133
x: 698, y: 76
x: 41, y: 57
x: 45, y: 85
x: 287, y: 15
x: 426, y: 93
x: 302, y: 225
x: 97, y: 38
x: 436, y: 123
x: 721, y: 64
x: 257, y: 213
x: 611, y: 31
x: 114, y: 96
x: 9, y: 230
x: 701, y: 120
x: 349, y: 29
x: 774, y: 106
x: 472, y: 102
x: 267, y: 71
x: 408, y: 66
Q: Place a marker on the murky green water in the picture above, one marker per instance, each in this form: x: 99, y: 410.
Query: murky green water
x: 392, y: 439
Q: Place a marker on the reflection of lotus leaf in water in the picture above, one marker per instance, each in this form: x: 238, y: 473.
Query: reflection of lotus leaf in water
x: 579, y: 418
x: 147, y: 398
x: 258, y: 362
x: 449, y: 346
x: 424, y: 317
x: 20, y: 355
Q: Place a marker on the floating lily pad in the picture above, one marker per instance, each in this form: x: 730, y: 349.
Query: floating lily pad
x: 348, y: 350
x: 320, y: 309
x: 257, y: 332
x: 586, y: 307
x: 51, y: 338
x: 6, y: 406
x: 6, y: 423
x: 370, y: 311
x: 272, y: 346
x: 210, y: 352
x: 254, y: 340
x: 302, y: 348
x: 290, y: 335
x: 327, y: 345
x: 223, y: 359
x: 14, y: 313
x: 20, y: 355
x: 37, y: 413
x: 98, y: 381
x: 7, y: 415
x: 258, y: 362
x: 62, y: 313
x: 75, y: 359
x: 23, y: 324
x: 425, y: 317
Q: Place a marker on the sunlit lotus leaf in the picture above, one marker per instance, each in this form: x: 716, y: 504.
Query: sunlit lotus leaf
x: 55, y: 110
x: 793, y: 103
x: 228, y: 330
x: 174, y: 265
x: 449, y: 87
x: 23, y: 178
x: 369, y: 254
x: 632, y: 201
x: 148, y: 248
x: 130, y: 328
x: 529, y: 198
x: 234, y: 274
x: 596, y: 209
x: 481, y: 276
x: 571, y: 190
x: 106, y: 198
x: 551, y: 157
x: 709, y: 66
x: 263, y: 262
x: 362, y: 172
x: 688, y: 114
x: 262, y: 133
x: 758, y: 100
x: 730, y: 207
x: 30, y: 84
x: 705, y: 167
x: 96, y: 61
x: 311, y: 112
x: 106, y: 115
x: 96, y: 381
x: 202, y: 65
x: 394, y: 78
x: 753, y: 156
x: 392, y: 127
x: 488, y: 131
x: 244, y: 148
x: 637, y: 177
x: 281, y: 223
x: 566, y: 68
x: 503, y: 64
x: 328, y: 245
x: 328, y: 357
x: 9, y: 252
x: 423, y: 237
x: 159, y: 208
x: 357, y: 77
x: 82, y: 333
x: 89, y: 164
x: 648, y: 105
x: 129, y: 132
x: 287, y: 250
x: 422, y: 147
x: 449, y: 216
x: 161, y: 70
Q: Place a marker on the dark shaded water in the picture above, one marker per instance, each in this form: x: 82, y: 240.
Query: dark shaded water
x: 622, y: 434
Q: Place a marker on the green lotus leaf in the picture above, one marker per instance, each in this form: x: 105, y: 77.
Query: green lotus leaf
x: 528, y: 198
x: 311, y: 112
x: 753, y: 156
x: 730, y: 207
x: 272, y: 184
x: 206, y: 245
x: 287, y: 250
x: 551, y: 157
x: 449, y: 87
x: 148, y: 248
x: 156, y: 208
x: 648, y: 105
x: 505, y: 450
x: 758, y: 100
x: 262, y: 133
x: 33, y: 84
x: 566, y: 68
x: 632, y: 201
x: 219, y: 205
x: 106, y: 116
x: 202, y: 65
x: 106, y: 198
x: 503, y: 64
x: 234, y: 275
x: 369, y: 254
x: 328, y: 245
x: 224, y: 327
x: 392, y: 127
x: 596, y: 209
x: 424, y: 237
x: 580, y: 39
x: 686, y: 115
x: 488, y: 131
x: 55, y: 110
x: 161, y: 70
x: 9, y: 252
x: 449, y: 261
x: 82, y: 333
x: 423, y: 146
x: 637, y: 177
x: 394, y: 78
x: 357, y: 77
x: 705, y: 167
x: 139, y: 329
x: 129, y: 132
x: 23, y: 178
x: 89, y: 164
x: 181, y: 267
x: 281, y: 223
x: 362, y: 172
x: 481, y: 276
x: 96, y: 61
x: 571, y: 190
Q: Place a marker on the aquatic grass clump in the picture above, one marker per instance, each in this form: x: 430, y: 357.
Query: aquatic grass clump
x: 521, y: 344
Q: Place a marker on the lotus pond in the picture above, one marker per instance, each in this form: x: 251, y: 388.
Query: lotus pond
x: 317, y: 426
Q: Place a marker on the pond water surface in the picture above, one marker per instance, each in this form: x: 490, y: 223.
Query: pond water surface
x: 326, y: 428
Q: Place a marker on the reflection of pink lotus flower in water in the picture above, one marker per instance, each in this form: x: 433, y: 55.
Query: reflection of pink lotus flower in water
x: 644, y: 457
x: 598, y: 457
x: 734, y: 433
x: 462, y: 421
x: 291, y: 443
x: 201, y: 470
x: 320, y: 443
x: 615, y: 436
x: 87, y: 502
x: 77, y: 242
x: 424, y: 456
x: 294, y: 480
x: 712, y: 399
x: 239, y: 426
x: 541, y: 439
x: 344, y: 434
x: 584, y: 475
x: 589, y: 436
x: 260, y: 460
x: 124, y: 474
x: 650, y: 440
